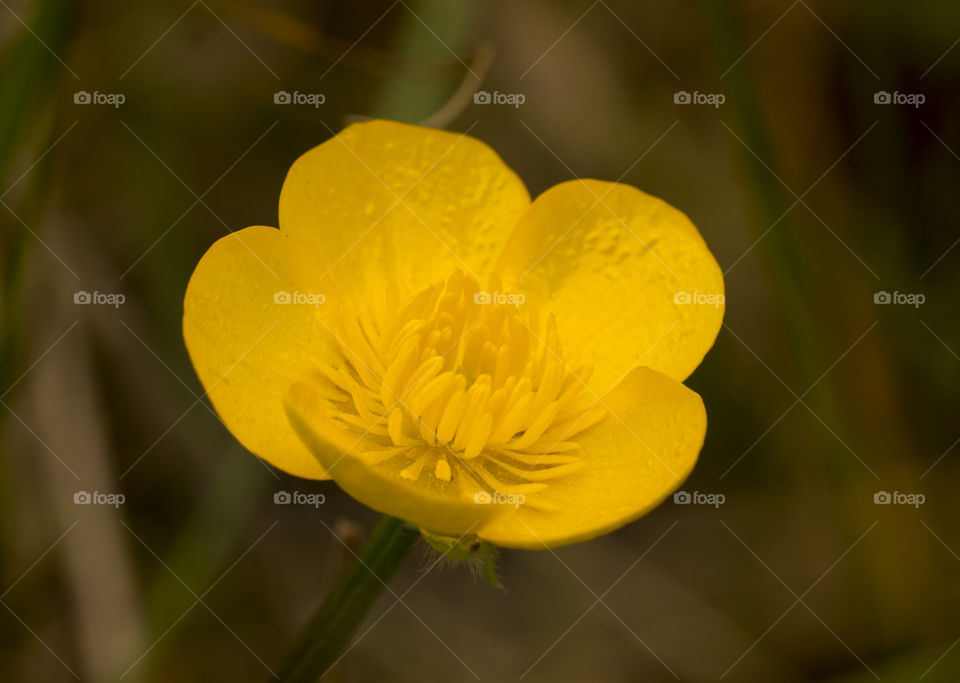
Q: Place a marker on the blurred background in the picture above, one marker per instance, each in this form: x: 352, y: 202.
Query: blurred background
x: 815, y: 144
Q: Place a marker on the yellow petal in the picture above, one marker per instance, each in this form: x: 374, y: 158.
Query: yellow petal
x: 391, y: 202
x: 357, y: 463
x: 633, y: 459
x: 613, y: 264
x: 247, y: 348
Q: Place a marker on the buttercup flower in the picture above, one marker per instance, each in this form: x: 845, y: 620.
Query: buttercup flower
x: 450, y: 352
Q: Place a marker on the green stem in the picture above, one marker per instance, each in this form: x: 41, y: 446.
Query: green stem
x: 325, y: 637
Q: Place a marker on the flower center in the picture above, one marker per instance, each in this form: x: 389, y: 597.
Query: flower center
x: 462, y: 391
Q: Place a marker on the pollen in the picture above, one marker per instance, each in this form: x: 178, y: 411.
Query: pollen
x: 464, y: 391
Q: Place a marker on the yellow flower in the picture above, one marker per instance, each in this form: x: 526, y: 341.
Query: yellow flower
x: 450, y: 352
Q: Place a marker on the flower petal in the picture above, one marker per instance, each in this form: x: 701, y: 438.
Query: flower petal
x: 634, y: 458
x: 609, y: 261
x: 347, y: 457
x: 246, y: 348
x: 392, y: 202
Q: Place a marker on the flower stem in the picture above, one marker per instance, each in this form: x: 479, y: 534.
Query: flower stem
x: 325, y: 637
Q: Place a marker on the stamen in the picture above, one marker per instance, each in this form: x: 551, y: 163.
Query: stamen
x: 453, y: 411
x: 442, y: 470
x: 466, y: 389
x: 477, y: 437
x: 412, y: 471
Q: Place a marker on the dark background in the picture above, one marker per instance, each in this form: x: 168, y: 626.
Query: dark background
x: 812, y: 197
